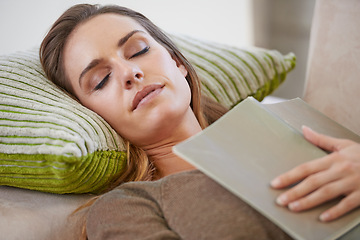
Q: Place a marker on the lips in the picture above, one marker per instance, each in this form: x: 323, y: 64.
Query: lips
x: 143, y: 93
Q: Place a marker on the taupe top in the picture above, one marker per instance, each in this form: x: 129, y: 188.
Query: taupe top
x: 187, y: 205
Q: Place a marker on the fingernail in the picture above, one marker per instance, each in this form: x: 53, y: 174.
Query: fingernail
x: 281, y: 200
x: 294, y: 206
x: 308, y: 133
x: 306, y: 127
x: 324, y: 217
x: 275, y: 183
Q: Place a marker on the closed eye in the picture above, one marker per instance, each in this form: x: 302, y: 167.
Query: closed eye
x: 144, y: 50
x: 102, y: 83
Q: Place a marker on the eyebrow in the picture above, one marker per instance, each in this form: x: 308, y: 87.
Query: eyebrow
x: 96, y: 62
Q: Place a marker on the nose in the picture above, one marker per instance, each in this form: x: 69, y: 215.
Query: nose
x: 130, y: 74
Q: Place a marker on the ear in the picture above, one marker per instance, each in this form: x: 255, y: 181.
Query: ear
x: 183, y: 70
x: 180, y: 66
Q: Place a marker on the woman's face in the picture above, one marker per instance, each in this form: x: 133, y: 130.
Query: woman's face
x: 119, y: 71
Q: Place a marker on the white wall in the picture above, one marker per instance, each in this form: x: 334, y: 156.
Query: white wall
x: 23, y: 23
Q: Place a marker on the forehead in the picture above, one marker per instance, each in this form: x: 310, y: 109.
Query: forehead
x: 107, y: 24
x: 93, y: 38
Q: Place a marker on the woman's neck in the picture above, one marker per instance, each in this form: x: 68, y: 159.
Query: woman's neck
x: 166, y: 162
x: 161, y: 154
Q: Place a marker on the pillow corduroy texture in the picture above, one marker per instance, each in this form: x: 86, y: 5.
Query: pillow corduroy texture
x: 230, y: 74
x: 49, y: 142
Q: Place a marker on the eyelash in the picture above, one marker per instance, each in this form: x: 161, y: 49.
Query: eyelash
x: 144, y: 50
x: 107, y: 77
x: 102, y: 82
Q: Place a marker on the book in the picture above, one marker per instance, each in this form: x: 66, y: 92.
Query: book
x: 252, y: 144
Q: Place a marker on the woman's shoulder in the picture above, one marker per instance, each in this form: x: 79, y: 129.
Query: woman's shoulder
x: 130, y: 203
x: 150, y: 193
x: 180, y: 184
x: 155, y: 187
x: 149, y: 189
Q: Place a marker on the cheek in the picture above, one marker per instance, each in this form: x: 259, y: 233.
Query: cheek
x: 109, y: 105
x: 117, y: 118
x: 182, y: 88
x: 183, y: 93
x: 176, y: 74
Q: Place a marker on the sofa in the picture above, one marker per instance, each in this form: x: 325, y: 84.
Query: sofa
x: 332, y: 79
x: 332, y: 86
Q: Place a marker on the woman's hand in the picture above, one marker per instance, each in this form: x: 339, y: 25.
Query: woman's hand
x: 323, y: 179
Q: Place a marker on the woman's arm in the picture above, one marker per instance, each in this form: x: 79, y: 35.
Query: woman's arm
x: 337, y: 174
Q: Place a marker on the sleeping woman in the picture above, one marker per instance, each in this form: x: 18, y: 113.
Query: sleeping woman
x: 119, y: 64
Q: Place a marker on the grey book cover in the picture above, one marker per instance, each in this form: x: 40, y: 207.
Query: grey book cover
x: 252, y: 144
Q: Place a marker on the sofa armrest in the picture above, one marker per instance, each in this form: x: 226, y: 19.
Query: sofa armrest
x: 32, y: 215
x: 333, y: 73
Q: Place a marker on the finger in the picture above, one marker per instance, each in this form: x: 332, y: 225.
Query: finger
x: 323, y: 141
x: 320, y: 196
x: 347, y: 204
x: 302, y: 171
x: 332, y: 190
x: 308, y: 185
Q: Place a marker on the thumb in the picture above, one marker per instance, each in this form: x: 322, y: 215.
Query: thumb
x: 325, y: 142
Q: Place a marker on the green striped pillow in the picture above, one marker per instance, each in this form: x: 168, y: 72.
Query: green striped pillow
x: 229, y: 74
x: 49, y: 142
